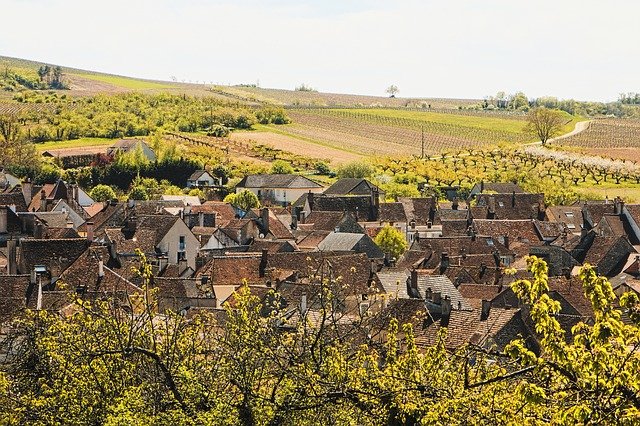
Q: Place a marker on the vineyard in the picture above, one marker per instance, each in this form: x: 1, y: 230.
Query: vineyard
x: 400, y: 132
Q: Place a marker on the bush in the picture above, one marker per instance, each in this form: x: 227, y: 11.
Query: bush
x: 355, y: 169
x: 102, y: 193
x: 281, y: 167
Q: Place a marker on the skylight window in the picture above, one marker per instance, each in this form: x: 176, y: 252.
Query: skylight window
x: 568, y: 214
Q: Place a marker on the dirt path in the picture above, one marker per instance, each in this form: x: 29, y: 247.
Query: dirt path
x: 298, y: 146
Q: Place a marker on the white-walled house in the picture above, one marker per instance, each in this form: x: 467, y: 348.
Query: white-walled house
x: 202, y: 178
x: 278, y: 188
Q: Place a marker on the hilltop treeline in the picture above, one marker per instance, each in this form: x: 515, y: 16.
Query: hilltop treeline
x: 136, y: 114
x: 625, y: 106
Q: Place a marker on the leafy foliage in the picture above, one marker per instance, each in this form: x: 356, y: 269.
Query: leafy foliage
x: 102, y: 193
x: 244, y: 200
x: 391, y: 241
x: 109, y: 362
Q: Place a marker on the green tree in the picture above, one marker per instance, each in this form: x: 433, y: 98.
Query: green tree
x: 391, y: 241
x: 545, y: 123
x: 102, y: 193
x: 138, y: 193
x: 244, y: 200
x: 281, y: 167
x: 355, y: 169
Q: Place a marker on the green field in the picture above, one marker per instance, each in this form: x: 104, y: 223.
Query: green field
x: 76, y: 143
x: 125, y: 82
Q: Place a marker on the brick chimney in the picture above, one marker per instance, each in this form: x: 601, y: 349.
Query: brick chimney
x: 43, y: 201
x: 486, y: 308
x: 413, y: 279
x: 263, y: 263
x: 4, y: 219
x: 200, y: 219
x: 264, y: 219
x: 513, y: 199
x: 12, y: 263
x: 446, y: 307
x: 90, y: 232
x: 454, y: 205
x: 27, y: 190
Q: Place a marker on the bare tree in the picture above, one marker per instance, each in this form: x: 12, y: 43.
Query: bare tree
x: 545, y: 123
x: 392, y: 90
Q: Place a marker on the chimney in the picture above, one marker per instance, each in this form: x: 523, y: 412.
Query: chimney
x: 486, y: 307
x: 492, y: 205
x: 264, y: 218
x: 131, y: 203
x: 38, y: 231
x: 513, y: 199
x: 90, y: 232
x: 428, y: 294
x: 303, y: 304
x: 27, y: 190
x: 4, y: 219
x: 413, y: 279
x: 163, y: 261
x: 76, y: 192
x: 375, y: 203
x: 454, y: 205
x: 310, y: 200
x: 437, y: 297
x: 357, y: 216
x: 294, y: 218
x: 446, y: 307
x: 481, y: 186
x: 618, y: 205
x: 200, y: 219
x: 33, y: 278
x: 506, y: 241
x: 303, y: 216
x: 43, y: 201
x: 12, y: 265
x: 100, y: 268
x: 444, y: 260
x: 263, y: 262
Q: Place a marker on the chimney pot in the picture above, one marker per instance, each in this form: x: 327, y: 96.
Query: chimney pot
x: 90, y: 232
x: 100, y: 268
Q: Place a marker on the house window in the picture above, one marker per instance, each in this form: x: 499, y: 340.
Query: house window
x: 182, y: 245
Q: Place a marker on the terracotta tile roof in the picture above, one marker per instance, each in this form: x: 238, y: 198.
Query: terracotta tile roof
x: 455, y: 228
x: 550, y: 230
x: 311, y: 240
x: 111, y: 216
x: 352, y: 186
x: 392, y: 212
x: 323, y: 220
x: 14, y: 290
x: 571, y: 216
x: 498, y: 187
x: 56, y: 255
x: 13, y: 199
x: 422, y: 210
x: 512, y: 206
x: 593, y: 212
x: 521, y: 234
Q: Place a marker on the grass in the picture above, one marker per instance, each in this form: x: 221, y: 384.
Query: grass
x: 125, y: 82
x: 76, y: 143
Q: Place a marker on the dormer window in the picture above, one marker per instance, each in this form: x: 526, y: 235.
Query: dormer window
x: 568, y: 214
x: 571, y: 226
x: 182, y: 245
x: 500, y: 203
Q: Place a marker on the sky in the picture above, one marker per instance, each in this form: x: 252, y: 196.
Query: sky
x: 580, y: 49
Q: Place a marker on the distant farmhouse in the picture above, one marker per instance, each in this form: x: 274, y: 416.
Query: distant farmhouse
x: 202, y: 178
x: 281, y: 189
x: 129, y: 145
